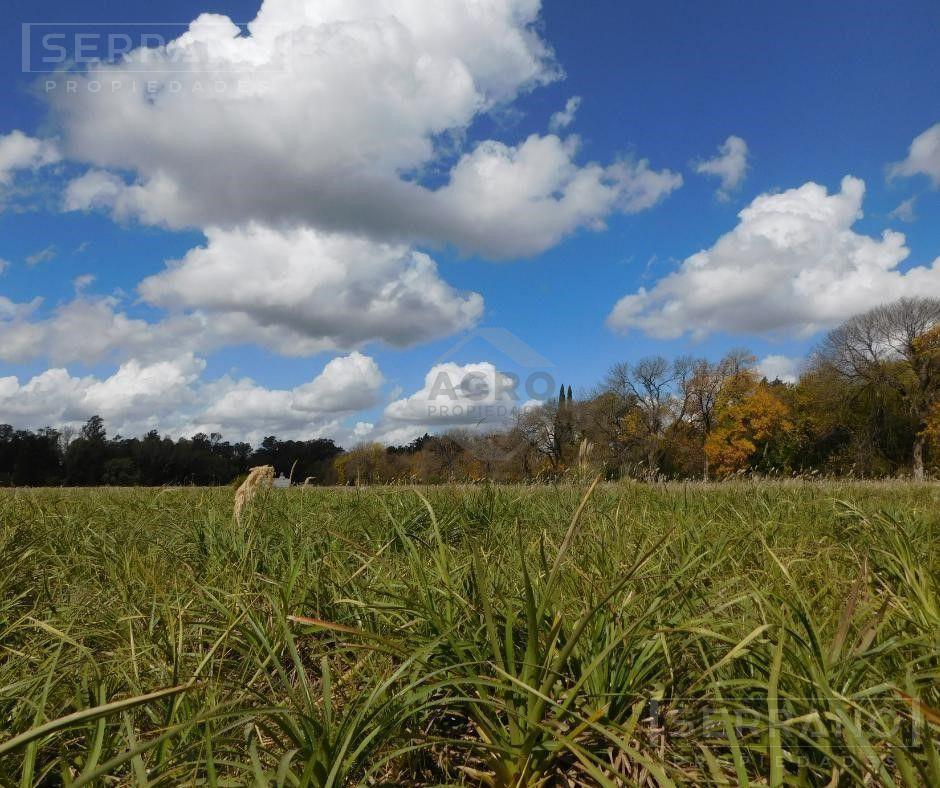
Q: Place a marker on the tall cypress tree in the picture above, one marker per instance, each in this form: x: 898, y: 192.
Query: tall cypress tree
x: 561, y: 397
x: 569, y: 396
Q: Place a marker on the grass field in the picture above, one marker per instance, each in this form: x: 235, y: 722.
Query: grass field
x: 755, y: 633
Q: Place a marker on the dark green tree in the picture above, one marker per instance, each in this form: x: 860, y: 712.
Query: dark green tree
x: 94, y: 429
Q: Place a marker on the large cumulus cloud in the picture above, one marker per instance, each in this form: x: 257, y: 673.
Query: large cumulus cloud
x: 342, y: 116
x: 173, y: 397
x: 793, y: 264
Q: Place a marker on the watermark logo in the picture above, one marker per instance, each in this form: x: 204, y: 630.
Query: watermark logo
x: 477, y: 402
x: 486, y: 391
x: 148, y: 57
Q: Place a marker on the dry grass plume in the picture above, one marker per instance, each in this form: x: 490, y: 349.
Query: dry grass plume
x: 259, y: 478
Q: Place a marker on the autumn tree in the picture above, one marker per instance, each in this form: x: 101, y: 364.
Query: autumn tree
x: 363, y: 464
x: 649, y: 385
x: 543, y: 430
x: 894, y: 346
x: 844, y: 426
x: 701, y: 388
x: 601, y: 417
x: 933, y: 427
x: 748, y: 416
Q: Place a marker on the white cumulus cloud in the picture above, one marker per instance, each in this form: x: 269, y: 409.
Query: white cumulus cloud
x: 173, y: 397
x: 295, y: 292
x: 318, y: 290
x: 793, y: 264
x: 90, y: 330
x: 130, y: 396
x: 331, y: 115
x: 507, y: 201
x: 346, y: 385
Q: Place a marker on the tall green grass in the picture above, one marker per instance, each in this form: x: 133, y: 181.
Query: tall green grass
x: 749, y: 633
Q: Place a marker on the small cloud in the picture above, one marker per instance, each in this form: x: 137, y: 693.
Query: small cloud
x: 21, y: 152
x: 82, y: 282
x: 82, y: 247
x: 905, y: 211
x: 923, y: 158
x: 42, y: 256
x: 506, y: 116
x: 783, y: 368
x: 562, y: 120
x: 4, y: 264
x: 730, y: 165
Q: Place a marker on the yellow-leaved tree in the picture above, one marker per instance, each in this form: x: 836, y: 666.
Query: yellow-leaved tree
x: 748, y: 415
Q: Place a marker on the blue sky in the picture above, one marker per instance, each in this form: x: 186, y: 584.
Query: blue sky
x: 815, y: 91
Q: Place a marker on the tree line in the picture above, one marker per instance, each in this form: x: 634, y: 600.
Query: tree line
x: 89, y: 458
x: 866, y: 405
